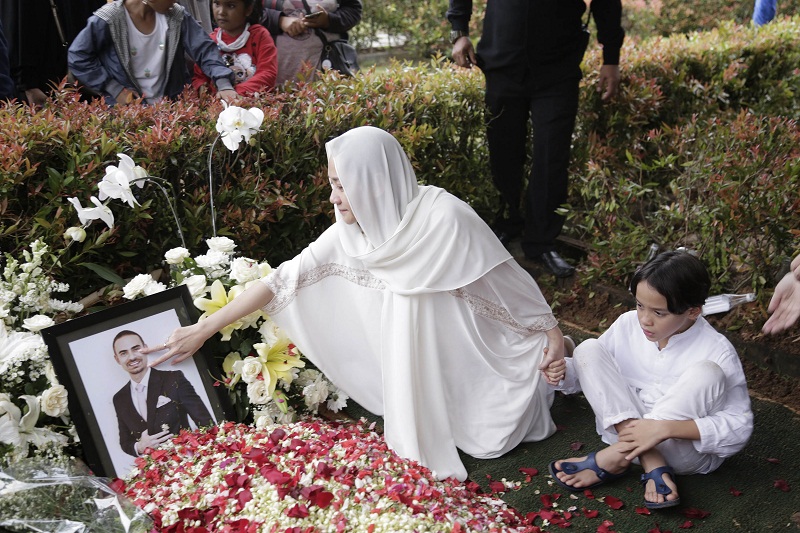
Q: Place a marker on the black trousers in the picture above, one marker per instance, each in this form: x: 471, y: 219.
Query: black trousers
x: 550, y: 110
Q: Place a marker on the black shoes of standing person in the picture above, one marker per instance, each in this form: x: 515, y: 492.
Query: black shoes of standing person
x: 555, y: 264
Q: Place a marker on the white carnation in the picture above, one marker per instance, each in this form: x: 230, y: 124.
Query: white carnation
x: 54, y: 401
x: 221, y: 244
x: 37, y: 323
x: 176, y: 255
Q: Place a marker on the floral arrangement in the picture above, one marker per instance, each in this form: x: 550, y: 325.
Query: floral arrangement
x: 309, y: 476
x: 264, y: 372
x: 33, y: 404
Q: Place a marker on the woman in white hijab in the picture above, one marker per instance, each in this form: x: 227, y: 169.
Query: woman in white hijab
x: 411, y: 305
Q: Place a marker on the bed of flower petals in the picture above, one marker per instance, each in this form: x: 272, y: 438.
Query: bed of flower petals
x: 309, y: 476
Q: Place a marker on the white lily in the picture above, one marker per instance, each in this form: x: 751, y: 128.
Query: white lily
x: 117, y: 181
x: 87, y: 214
x: 235, y: 124
x: 19, y: 430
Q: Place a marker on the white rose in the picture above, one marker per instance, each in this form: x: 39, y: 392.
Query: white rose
x: 221, y: 244
x: 176, y: 255
x: 197, y: 285
x: 76, y: 233
x: 212, y: 260
x: 135, y: 287
x: 263, y: 420
x: 54, y: 401
x: 244, y: 270
x: 258, y: 392
x: 249, y: 368
x: 154, y: 287
x: 37, y: 323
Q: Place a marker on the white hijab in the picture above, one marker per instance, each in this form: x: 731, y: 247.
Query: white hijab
x: 415, y: 239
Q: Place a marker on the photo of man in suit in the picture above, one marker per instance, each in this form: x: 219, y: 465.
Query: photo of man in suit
x: 155, y: 404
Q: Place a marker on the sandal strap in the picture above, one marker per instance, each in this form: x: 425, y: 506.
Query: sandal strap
x: 657, y: 475
x: 590, y: 463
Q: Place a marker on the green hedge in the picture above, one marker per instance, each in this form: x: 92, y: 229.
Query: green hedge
x: 700, y: 150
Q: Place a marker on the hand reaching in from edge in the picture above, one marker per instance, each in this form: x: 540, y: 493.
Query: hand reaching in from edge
x: 785, y: 302
x: 181, y: 344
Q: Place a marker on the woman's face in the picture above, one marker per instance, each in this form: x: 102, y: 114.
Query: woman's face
x: 338, y: 197
x: 231, y: 16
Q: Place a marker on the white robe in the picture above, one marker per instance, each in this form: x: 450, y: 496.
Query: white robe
x: 425, y: 320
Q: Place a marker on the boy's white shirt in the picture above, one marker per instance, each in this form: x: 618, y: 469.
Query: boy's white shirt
x: 650, y: 371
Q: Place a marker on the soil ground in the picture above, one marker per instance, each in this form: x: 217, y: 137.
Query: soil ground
x: 593, y: 310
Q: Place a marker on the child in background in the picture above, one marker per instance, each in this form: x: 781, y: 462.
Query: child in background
x: 246, y: 47
x: 135, y: 48
x: 667, y: 390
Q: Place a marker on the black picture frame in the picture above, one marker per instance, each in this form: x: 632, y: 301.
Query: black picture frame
x: 84, y: 362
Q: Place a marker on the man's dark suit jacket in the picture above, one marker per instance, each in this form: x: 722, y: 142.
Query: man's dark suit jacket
x: 183, y: 403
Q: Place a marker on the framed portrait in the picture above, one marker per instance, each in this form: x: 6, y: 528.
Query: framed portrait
x: 121, y: 406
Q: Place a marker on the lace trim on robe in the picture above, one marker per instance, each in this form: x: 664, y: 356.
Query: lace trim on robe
x: 492, y: 311
x: 285, y: 291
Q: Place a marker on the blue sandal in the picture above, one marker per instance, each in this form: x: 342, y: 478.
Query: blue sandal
x: 572, y: 467
x: 657, y: 476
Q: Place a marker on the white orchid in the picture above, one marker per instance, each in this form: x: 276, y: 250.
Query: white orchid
x: 75, y: 233
x: 88, y: 214
x: 117, y: 181
x: 235, y: 124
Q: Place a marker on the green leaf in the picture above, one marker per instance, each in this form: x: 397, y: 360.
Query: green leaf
x: 105, y: 273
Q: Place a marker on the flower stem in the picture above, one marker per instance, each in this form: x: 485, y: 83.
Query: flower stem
x: 155, y: 180
x: 211, y: 188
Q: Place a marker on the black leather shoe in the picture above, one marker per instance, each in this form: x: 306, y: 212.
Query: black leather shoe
x: 556, y: 264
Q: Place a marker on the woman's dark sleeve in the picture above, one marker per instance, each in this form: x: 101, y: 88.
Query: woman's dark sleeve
x: 345, y: 17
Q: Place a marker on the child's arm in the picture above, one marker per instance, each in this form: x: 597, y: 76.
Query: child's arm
x: 265, y: 58
x: 83, y: 58
x: 205, y: 53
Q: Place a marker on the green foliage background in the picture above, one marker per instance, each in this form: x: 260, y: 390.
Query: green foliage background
x: 700, y: 150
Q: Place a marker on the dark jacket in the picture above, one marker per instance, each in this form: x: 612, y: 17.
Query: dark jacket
x: 528, y: 34
x: 38, y: 41
x: 183, y: 403
x: 100, y: 56
x: 345, y: 18
x: 7, y: 87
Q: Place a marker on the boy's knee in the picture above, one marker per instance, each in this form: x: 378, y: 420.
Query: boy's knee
x: 706, y: 374
x: 586, y: 349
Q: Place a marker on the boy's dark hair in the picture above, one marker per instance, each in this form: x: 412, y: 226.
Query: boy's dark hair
x: 679, y: 277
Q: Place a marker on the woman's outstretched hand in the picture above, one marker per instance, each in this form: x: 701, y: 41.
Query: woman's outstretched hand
x: 181, y: 344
